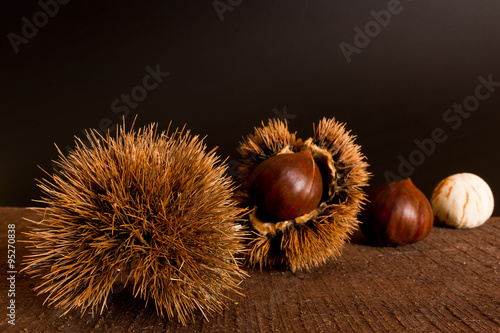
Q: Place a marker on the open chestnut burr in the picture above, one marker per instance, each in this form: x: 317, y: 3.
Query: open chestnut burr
x: 304, y: 195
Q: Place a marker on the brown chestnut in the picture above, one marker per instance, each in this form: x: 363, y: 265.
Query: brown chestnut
x: 398, y: 213
x: 286, y: 186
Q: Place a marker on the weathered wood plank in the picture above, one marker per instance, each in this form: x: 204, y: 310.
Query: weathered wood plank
x: 448, y: 282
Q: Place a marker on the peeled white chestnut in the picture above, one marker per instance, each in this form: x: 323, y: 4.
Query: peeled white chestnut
x: 398, y: 213
x: 463, y: 200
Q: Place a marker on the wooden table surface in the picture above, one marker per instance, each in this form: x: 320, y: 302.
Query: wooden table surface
x: 449, y: 282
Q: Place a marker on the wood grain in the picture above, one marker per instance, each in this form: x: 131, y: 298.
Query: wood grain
x: 448, y: 282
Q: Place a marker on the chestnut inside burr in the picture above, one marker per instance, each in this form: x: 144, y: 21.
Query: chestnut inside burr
x: 286, y: 186
x: 270, y: 187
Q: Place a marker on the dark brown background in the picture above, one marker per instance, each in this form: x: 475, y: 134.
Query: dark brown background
x: 227, y: 76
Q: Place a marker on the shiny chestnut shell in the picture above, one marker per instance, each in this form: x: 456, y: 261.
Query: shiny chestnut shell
x: 286, y: 186
x: 398, y: 213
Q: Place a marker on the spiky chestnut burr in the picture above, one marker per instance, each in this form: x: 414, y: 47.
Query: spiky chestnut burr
x: 152, y: 210
x: 310, y: 239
